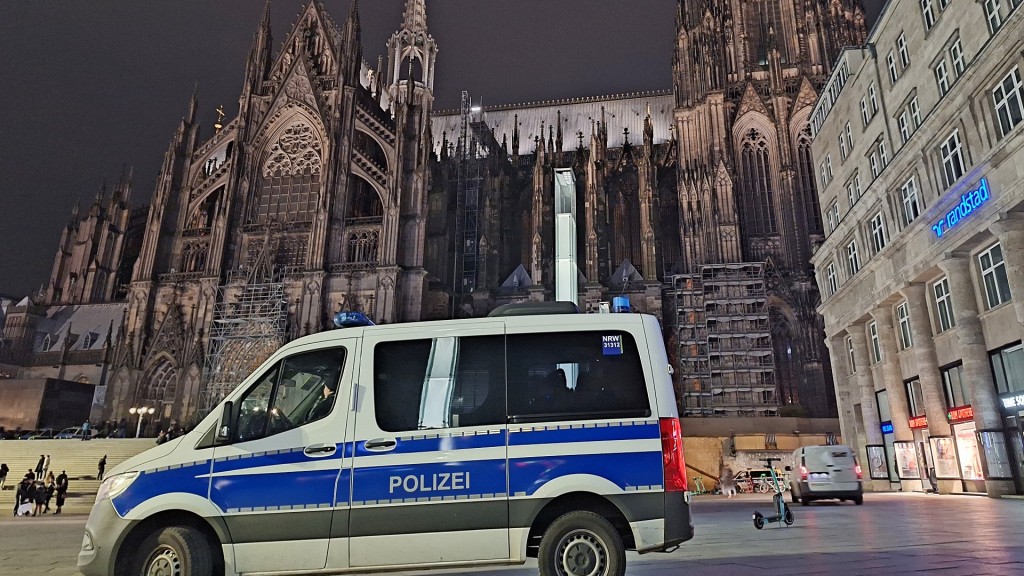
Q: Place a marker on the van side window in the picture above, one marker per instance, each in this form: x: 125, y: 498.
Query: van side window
x: 301, y: 389
x: 449, y: 382
x: 575, y: 376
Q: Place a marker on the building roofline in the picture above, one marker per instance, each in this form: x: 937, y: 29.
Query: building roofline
x: 565, y: 101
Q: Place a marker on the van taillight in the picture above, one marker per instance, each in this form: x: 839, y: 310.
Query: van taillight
x: 803, y: 473
x: 860, y: 475
x: 672, y: 454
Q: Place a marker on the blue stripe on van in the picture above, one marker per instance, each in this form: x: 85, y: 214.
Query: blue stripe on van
x: 625, y: 470
x: 302, y: 489
x: 259, y: 459
x: 187, y: 479
x: 595, y: 434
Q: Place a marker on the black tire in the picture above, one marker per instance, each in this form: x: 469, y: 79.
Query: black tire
x: 805, y: 501
x: 581, y: 544
x: 179, y: 550
x: 788, y: 518
x: 758, y: 521
x: 859, y: 500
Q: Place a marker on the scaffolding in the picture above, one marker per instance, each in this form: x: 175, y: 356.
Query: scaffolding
x: 724, y: 354
x: 249, y: 324
x: 476, y: 142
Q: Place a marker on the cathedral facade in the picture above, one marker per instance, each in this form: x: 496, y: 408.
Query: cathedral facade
x: 338, y: 186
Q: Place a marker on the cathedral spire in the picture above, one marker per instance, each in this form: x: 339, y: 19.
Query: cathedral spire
x: 353, y: 46
x: 193, y: 105
x: 415, y: 17
x: 259, y: 54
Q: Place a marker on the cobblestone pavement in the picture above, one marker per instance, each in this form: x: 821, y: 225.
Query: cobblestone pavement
x: 889, y: 534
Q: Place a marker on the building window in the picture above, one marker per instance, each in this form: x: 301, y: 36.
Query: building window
x: 828, y: 166
x: 1008, y: 366
x: 993, y: 15
x: 852, y: 258
x: 903, y: 316
x: 856, y: 182
x: 1008, y: 97
x: 851, y: 194
x: 915, y: 398
x: 904, y: 126
x: 833, y: 282
x: 957, y: 394
x: 849, y: 136
x: 890, y: 62
x: 944, y: 305
x: 833, y: 216
x: 865, y: 117
x: 873, y: 160
x: 928, y: 12
x: 952, y: 159
x: 849, y: 354
x: 878, y: 239
x: 956, y: 55
x: 901, y: 45
x: 824, y: 176
x: 876, y: 346
x: 755, y: 171
x: 993, y: 275
x: 915, y: 112
x: 873, y: 97
x: 843, y: 152
x: 883, y: 153
x: 942, y: 78
x: 805, y: 178
x: 911, y: 209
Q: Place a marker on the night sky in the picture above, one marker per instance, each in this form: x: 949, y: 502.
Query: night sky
x: 86, y: 87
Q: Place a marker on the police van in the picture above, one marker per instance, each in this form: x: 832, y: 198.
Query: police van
x: 420, y: 445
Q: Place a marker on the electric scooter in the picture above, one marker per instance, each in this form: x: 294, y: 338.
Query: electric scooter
x: 782, y: 513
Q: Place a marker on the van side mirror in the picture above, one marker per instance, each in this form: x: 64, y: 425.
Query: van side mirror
x: 227, y: 418
x: 789, y: 468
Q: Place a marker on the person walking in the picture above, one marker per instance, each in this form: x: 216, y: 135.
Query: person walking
x: 101, y: 467
x: 38, y: 497
x: 46, y: 466
x: 40, y: 465
x: 61, y: 490
x: 3, y: 474
x: 50, y: 488
x: 727, y: 480
x: 85, y: 430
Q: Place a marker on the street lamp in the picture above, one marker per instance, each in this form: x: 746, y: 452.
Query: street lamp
x: 141, y: 412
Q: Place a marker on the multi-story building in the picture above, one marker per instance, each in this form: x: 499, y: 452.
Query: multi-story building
x: 919, y: 147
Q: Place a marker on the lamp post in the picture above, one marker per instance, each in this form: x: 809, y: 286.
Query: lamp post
x: 141, y: 412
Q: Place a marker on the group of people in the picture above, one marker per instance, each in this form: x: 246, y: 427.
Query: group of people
x: 37, y: 489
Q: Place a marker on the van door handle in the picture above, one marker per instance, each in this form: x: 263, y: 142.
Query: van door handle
x: 319, y: 450
x: 380, y: 445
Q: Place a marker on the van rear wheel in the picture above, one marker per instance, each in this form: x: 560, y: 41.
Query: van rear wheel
x: 173, y: 551
x: 581, y: 544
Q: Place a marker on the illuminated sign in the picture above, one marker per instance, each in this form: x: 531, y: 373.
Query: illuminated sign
x: 960, y: 413
x: 919, y: 422
x: 1013, y: 401
x: 969, y: 202
x: 886, y: 427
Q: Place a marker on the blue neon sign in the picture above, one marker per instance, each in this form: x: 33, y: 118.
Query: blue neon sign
x: 969, y: 202
x: 886, y: 427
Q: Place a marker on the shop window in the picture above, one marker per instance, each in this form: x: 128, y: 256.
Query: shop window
x: 446, y: 382
x: 876, y: 347
x: 915, y: 397
x: 1008, y: 367
x: 953, y: 385
x: 993, y: 275
x: 944, y: 305
x: 903, y: 317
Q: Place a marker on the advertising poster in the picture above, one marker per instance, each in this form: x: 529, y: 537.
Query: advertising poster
x: 944, y: 457
x: 970, y: 458
x: 906, y: 460
x: 877, y: 469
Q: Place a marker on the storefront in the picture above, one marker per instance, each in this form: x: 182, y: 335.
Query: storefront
x: 1012, y: 406
x: 961, y: 422
x: 922, y: 460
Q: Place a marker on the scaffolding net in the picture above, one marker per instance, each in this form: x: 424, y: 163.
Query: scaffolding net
x: 724, y: 355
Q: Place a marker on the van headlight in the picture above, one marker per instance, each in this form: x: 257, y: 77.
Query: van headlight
x: 116, y: 484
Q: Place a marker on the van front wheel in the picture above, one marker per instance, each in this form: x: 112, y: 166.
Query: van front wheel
x: 581, y: 544
x: 173, y: 551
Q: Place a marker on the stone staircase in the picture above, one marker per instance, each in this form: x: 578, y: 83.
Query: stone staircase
x: 77, y: 458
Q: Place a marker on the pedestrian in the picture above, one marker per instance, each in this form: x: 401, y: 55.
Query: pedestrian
x: 85, y: 430
x: 40, y: 465
x: 727, y: 481
x: 46, y: 465
x: 51, y: 487
x: 62, y: 490
x: 3, y: 474
x: 23, y: 498
x: 101, y: 467
x: 161, y: 437
x: 38, y: 497
x: 30, y: 475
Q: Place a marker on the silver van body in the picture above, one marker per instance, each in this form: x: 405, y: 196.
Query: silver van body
x: 825, y: 473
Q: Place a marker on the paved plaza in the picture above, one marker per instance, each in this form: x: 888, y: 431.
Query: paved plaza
x: 889, y: 534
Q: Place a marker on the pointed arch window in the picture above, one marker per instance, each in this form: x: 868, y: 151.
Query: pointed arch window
x: 755, y: 178
x: 161, y: 382
x: 805, y: 179
x: 291, y: 172
x: 47, y: 342
x: 364, y: 202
